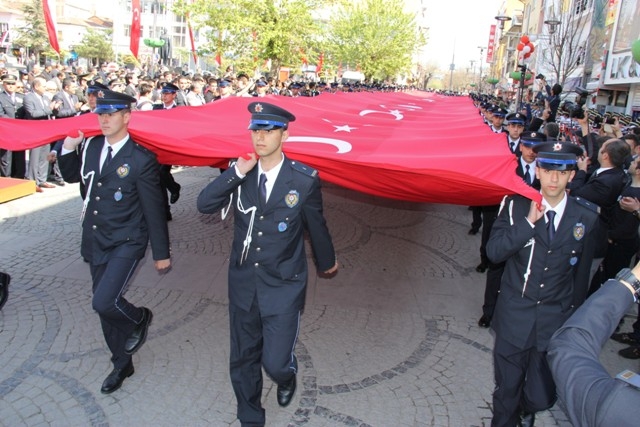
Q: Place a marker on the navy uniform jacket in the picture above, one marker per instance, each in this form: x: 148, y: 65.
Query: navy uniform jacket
x: 275, y: 269
x: 531, y: 308
x: 588, y: 393
x: 11, y: 109
x: 125, y: 205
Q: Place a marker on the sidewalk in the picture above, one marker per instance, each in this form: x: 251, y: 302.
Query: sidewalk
x: 392, y: 340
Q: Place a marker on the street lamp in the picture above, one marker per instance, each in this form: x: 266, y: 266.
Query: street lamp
x: 553, y: 23
x: 502, y: 19
x: 480, y: 76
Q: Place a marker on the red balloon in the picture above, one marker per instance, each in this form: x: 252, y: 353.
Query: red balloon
x: 526, y: 55
x: 532, y: 48
x: 520, y: 47
x: 524, y: 39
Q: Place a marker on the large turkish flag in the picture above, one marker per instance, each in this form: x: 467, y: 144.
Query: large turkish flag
x: 418, y: 147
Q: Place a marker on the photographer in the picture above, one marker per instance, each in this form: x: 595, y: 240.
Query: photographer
x: 553, y: 96
x: 588, y: 394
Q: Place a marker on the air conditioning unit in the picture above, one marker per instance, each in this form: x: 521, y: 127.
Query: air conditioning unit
x: 516, y: 20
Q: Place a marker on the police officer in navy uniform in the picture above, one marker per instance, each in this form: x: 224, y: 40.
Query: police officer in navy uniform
x: 515, y: 127
x: 497, y: 120
x: 123, y: 209
x: 548, y: 249
x: 275, y: 201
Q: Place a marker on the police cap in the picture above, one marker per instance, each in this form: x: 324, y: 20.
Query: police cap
x: 169, y: 88
x: 556, y: 155
x: 109, y: 102
x: 531, y: 139
x: 265, y: 116
x: 95, y: 86
x: 516, y: 119
x: 499, y: 112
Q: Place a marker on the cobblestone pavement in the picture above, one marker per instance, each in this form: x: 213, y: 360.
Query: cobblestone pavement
x: 392, y: 340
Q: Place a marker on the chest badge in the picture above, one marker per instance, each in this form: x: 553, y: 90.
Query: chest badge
x: 292, y: 198
x: 117, y: 196
x: 123, y: 170
x: 578, y: 231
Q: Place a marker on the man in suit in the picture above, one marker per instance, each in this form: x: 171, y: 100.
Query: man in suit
x: 267, y: 267
x: 122, y: 212
x: 69, y: 107
x: 38, y: 107
x: 10, y: 107
x: 589, y: 395
x: 602, y: 187
x: 547, y: 249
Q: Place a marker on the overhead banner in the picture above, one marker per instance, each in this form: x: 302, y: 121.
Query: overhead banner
x: 422, y: 147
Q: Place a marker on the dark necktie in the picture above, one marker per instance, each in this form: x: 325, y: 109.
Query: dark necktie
x: 263, y: 188
x: 551, y: 227
x: 513, y: 146
x: 106, y: 159
x: 527, y: 174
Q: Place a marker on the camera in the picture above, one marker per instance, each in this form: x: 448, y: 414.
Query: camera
x: 540, y: 76
x: 581, y: 99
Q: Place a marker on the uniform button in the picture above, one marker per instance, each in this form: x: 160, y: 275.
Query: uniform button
x: 546, y: 268
x: 97, y: 198
x: 258, y: 249
x: 261, y: 217
x: 256, y: 265
x: 259, y: 233
x: 95, y: 212
x: 538, y: 302
x: 99, y: 184
x: 549, y: 252
x: 95, y: 227
x: 542, y: 285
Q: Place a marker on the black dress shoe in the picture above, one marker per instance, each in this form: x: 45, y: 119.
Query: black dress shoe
x: 175, y: 195
x: 527, y: 419
x: 115, y: 379
x: 5, y: 279
x: 473, y: 231
x: 285, y: 392
x: 481, y: 268
x: 485, y: 321
x: 139, y: 334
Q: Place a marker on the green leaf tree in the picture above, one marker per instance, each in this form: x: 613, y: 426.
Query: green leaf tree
x: 33, y: 36
x: 247, y: 32
x: 96, y: 46
x: 377, y: 36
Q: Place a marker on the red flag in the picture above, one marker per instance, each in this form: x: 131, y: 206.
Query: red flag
x: 320, y: 63
x: 218, y: 54
x: 134, y: 42
x: 193, y: 46
x: 51, y: 26
x: 422, y: 147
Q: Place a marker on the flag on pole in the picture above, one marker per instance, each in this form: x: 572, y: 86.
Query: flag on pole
x: 4, y: 38
x: 218, y: 54
x: 134, y: 43
x: 51, y: 26
x: 193, y: 45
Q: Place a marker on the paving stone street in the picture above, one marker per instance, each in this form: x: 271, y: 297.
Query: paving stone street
x: 391, y: 341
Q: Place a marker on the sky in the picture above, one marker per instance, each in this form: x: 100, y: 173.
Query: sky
x: 457, y: 27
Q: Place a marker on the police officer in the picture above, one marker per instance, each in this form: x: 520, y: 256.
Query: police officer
x: 548, y: 249
x: 515, y: 127
x: 122, y: 211
x: 276, y: 201
x: 497, y: 120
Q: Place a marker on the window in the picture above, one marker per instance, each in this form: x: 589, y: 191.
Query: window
x: 580, y: 6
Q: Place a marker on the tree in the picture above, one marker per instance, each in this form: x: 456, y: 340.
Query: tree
x: 96, y: 46
x: 33, y: 35
x: 375, y: 35
x: 247, y: 32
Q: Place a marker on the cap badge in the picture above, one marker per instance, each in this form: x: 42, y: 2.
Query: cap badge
x: 578, y: 231
x: 292, y: 198
x: 123, y: 170
x: 557, y: 146
x: 258, y: 108
x: 100, y: 94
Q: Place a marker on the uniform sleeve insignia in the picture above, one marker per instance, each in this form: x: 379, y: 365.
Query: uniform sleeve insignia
x: 123, y: 170
x: 292, y: 198
x: 578, y: 231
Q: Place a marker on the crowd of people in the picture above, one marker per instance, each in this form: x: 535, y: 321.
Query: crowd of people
x: 543, y: 260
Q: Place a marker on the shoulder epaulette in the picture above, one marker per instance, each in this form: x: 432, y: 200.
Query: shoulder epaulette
x: 587, y: 204
x: 301, y: 167
x: 143, y: 149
